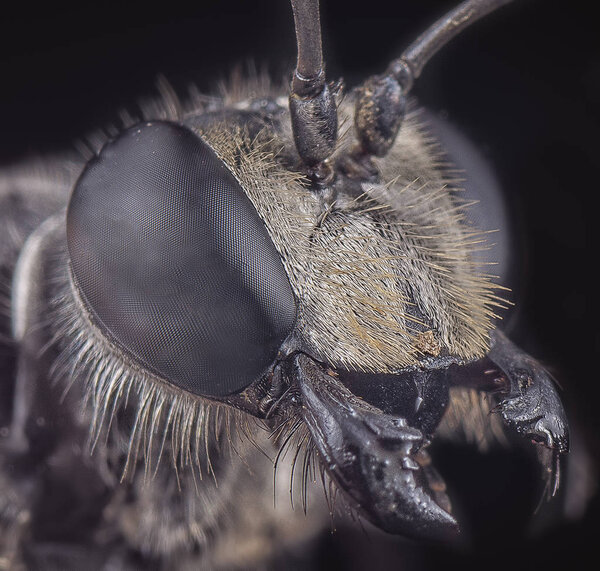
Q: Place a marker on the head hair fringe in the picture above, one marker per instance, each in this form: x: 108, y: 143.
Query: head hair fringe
x: 138, y: 412
x: 143, y: 419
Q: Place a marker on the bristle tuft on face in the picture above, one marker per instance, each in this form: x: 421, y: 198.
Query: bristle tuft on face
x: 372, y: 272
x: 468, y: 419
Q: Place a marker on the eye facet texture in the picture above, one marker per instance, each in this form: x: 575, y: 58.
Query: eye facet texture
x: 174, y: 264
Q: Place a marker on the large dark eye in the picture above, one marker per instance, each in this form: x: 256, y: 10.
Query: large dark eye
x: 174, y: 264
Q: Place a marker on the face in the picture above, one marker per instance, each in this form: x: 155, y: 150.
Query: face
x: 481, y: 106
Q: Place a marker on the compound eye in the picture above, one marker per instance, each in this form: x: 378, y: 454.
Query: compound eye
x: 173, y: 263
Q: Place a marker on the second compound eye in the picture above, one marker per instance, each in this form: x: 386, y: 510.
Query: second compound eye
x: 173, y: 263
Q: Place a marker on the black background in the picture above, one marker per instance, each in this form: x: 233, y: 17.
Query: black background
x: 523, y: 84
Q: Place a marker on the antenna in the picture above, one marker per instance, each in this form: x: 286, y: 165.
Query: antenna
x: 382, y: 99
x: 312, y: 105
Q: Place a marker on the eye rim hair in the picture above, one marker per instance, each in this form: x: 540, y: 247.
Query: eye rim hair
x: 174, y: 264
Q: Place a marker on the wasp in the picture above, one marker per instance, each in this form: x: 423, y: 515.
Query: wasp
x: 281, y: 277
